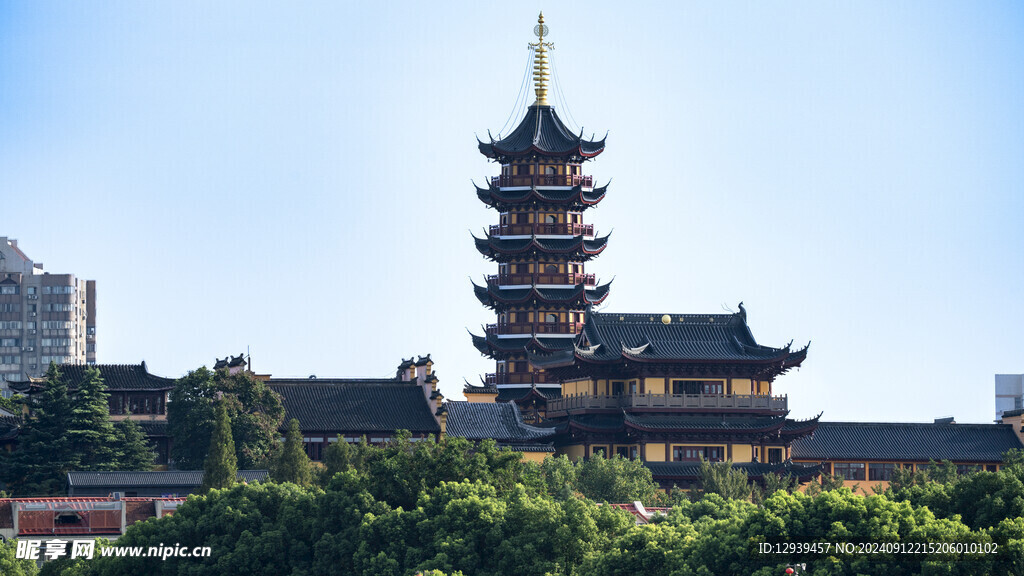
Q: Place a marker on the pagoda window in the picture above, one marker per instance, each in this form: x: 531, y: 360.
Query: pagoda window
x: 602, y: 450
x: 551, y: 269
x: 550, y: 170
x: 713, y: 388
x: 624, y: 451
x: 632, y: 387
x: 618, y: 388
x: 775, y: 456
x: 551, y: 219
x: 552, y: 318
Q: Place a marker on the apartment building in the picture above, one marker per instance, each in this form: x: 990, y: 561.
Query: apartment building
x: 44, y: 317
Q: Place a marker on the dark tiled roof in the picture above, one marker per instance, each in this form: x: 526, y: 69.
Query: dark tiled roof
x: 506, y: 249
x: 576, y: 197
x: 515, y: 394
x: 500, y: 421
x: 117, y: 376
x: 495, y: 296
x: 541, y: 131
x: 491, y: 345
x: 691, y: 470
x: 356, y: 406
x: 8, y: 427
x: 153, y: 428
x: 904, y: 441
x: 471, y: 389
x: 1011, y: 413
x: 156, y: 479
x: 611, y: 338
x: 663, y: 421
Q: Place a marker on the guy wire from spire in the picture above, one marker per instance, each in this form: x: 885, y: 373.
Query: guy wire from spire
x: 523, y: 89
x: 561, y: 97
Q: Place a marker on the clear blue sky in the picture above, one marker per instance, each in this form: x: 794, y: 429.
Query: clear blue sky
x: 295, y: 178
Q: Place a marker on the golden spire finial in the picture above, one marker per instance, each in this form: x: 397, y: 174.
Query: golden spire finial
x: 540, y: 62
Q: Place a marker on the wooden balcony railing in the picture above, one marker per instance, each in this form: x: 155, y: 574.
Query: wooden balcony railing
x: 543, y: 229
x: 570, y: 278
x: 543, y: 180
x: 536, y: 328
x: 729, y: 401
x: 516, y: 378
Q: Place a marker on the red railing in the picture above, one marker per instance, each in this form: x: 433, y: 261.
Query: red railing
x: 542, y: 229
x: 570, y: 278
x: 536, y: 328
x: 543, y: 180
x: 517, y: 378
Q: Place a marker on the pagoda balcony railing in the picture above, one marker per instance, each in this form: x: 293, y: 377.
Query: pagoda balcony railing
x: 543, y: 180
x: 728, y: 401
x: 535, y: 328
x: 570, y: 278
x: 543, y: 229
x: 517, y: 378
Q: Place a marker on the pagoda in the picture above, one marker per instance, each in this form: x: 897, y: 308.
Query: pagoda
x: 540, y: 244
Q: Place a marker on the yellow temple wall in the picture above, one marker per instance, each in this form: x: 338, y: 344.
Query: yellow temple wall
x: 655, y: 452
x: 654, y: 385
x: 485, y: 398
x: 742, y: 453
x: 741, y: 386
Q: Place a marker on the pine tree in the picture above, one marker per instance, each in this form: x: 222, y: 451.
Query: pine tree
x: 337, y: 458
x: 90, y: 430
x: 293, y: 465
x: 44, y: 455
x: 221, y: 469
x: 134, y: 451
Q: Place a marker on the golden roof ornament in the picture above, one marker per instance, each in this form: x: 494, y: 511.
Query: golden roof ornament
x: 540, y: 62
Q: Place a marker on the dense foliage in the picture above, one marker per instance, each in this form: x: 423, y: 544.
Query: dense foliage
x: 254, y: 409
x: 67, y: 430
x: 451, y: 508
x: 292, y: 464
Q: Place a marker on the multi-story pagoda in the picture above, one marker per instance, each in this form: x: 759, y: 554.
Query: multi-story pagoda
x: 541, y: 246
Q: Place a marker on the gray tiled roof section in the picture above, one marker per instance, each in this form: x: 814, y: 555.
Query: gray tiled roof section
x: 166, y: 478
x: 905, y: 441
x: 353, y: 406
x: 500, y: 421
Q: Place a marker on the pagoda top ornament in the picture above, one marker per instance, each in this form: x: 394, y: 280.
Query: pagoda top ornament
x: 540, y: 62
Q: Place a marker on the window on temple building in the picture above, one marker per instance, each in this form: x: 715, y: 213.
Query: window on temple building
x: 618, y: 388
x: 774, y: 455
x: 881, y: 471
x: 632, y: 388
x: 713, y: 388
x: 967, y: 468
x: 602, y: 450
x: 622, y: 451
x: 849, y: 470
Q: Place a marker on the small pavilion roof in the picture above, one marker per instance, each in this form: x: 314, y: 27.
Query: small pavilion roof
x: 500, y: 421
x: 541, y: 132
x: 116, y: 377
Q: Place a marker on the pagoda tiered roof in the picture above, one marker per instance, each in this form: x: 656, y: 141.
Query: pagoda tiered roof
x: 576, y: 197
x: 511, y: 394
x: 491, y: 345
x: 541, y: 133
x: 581, y: 295
x: 506, y: 249
x: 665, y: 339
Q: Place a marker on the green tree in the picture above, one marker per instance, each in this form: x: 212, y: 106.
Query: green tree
x: 44, y: 455
x: 720, y: 478
x: 221, y: 467
x: 337, y: 458
x: 9, y: 566
x: 293, y: 465
x: 90, y: 431
x: 615, y: 479
x: 133, y: 448
x: 254, y: 409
